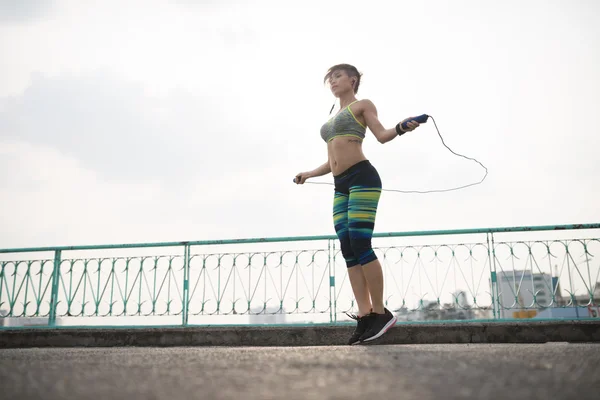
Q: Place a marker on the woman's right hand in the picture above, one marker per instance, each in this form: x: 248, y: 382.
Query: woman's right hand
x: 301, y: 177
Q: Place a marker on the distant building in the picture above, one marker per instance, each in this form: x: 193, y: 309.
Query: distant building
x: 269, y: 316
x: 517, y: 290
x: 25, y: 321
x: 459, y: 309
x: 585, y: 299
x: 461, y: 299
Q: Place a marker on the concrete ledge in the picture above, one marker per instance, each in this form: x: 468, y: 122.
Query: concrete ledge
x: 319, y: 335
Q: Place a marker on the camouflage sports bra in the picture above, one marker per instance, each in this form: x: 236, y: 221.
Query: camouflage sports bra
x: 343, y: 124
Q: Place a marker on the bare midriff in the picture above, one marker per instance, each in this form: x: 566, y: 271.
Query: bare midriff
x: 344, y: 152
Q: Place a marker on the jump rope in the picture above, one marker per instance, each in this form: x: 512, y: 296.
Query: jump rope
x: 421, y: 119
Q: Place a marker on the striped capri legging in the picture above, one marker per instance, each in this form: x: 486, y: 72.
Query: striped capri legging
x: 357, y: 193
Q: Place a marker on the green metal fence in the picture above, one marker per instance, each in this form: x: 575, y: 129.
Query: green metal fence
x: 472, y: 274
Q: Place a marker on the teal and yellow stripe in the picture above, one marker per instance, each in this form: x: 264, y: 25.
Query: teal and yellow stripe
x: 354, y: 219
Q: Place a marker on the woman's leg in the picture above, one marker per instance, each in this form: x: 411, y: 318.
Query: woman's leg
x: 362, y: 209
x: 374, y: 279
x: 360, y: 289
x: 355, y: 272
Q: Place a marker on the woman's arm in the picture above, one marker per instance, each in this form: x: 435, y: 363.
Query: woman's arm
x: 319, y: 171
x: 383, y: 135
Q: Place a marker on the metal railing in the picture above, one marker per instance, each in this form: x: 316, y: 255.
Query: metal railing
x: 491, y: 273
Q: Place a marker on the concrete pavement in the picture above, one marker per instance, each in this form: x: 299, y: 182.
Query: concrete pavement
x: 443, y: 371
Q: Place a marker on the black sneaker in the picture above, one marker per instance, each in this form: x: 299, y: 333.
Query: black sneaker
x: 380, y: 323
x: 364, y: 323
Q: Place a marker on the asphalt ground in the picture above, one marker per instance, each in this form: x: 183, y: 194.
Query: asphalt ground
x: 554, y: 370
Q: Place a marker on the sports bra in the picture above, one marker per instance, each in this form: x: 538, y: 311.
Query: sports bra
x: 343, y: 123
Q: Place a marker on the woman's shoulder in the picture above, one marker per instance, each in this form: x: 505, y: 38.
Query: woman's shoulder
x: 364, y: 104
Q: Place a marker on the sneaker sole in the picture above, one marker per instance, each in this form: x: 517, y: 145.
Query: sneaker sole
x: 384, y: 330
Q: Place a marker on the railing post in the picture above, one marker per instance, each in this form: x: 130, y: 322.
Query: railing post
x: 186, y: 283
x: 493, y: 276
x: 54, y: 292
x: 332, y: 294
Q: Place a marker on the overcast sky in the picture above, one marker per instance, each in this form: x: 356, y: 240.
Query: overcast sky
x: 155, y: 120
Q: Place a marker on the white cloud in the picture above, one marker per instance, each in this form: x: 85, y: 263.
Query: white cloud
x: 182, y: 122
x: 24, y: 11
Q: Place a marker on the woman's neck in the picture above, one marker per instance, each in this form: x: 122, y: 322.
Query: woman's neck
x: 346, y: 99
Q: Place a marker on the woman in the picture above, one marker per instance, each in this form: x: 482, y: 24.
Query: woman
x: 356, y: 196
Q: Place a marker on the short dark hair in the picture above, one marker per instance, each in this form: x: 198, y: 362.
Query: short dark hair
x: 349, y: 69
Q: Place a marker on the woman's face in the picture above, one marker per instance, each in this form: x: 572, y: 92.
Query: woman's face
x: 340, y: 82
